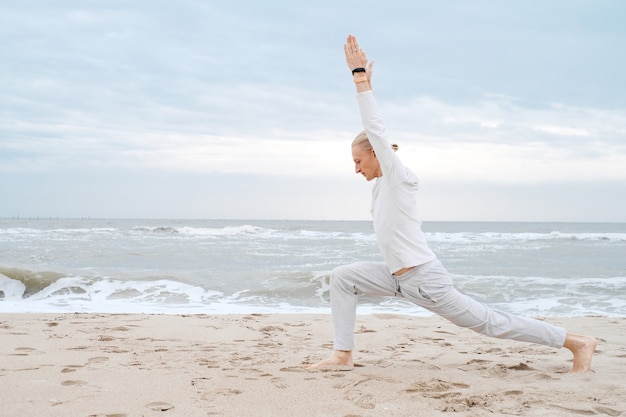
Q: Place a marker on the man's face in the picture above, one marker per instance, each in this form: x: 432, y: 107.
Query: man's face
x: 365, y: 162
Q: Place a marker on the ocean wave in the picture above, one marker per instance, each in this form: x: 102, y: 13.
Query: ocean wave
x: 299, y: 232
x: 227, y: 266
x: 156, y: 229
x: 244, y: 231
x: 251, y: 231
x: 224, y: 231
x: 30, y: 282
x: 491, y: 237
x: 544, y: 296
x: 30, y: 291
x: 27, y: 290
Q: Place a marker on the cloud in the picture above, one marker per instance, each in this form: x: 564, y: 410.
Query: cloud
x: 219, y: 92
x: 499, y: 140
x: 562, y: 130
x: 493, y: 140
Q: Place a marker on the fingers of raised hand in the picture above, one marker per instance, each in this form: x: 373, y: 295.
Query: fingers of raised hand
x: 352, y: 46
x: 354, y: 55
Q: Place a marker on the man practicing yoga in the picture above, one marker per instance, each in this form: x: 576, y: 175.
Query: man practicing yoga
x: 410, y: 269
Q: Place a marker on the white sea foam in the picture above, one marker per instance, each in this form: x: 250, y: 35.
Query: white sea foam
x: 11, y: 289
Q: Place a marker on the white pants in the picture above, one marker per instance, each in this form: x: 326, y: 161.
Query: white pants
x: 429, y: 286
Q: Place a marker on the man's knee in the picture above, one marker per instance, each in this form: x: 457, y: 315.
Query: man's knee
x: 340, y: 277
x: 340, y: 272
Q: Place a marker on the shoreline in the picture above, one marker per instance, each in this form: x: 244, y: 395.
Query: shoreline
x: 123, y: 365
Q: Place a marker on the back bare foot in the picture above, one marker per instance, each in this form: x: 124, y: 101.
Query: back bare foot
x: 583, y: 348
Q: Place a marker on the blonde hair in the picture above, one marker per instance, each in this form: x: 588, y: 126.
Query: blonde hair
x: 362, y: 141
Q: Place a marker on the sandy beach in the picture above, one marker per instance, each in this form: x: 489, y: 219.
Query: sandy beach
x: 126, y: 365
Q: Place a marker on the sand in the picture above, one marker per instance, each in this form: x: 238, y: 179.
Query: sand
x: 126, y: 365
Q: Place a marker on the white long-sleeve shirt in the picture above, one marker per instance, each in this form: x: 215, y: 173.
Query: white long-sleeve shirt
x: 394, y: 210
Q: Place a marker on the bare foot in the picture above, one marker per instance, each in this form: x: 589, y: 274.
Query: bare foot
x: 341, y: 358
x: 583, y: 348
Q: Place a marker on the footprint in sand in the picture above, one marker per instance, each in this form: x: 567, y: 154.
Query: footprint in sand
x: 268, y: 330
x: 24, y: 351
x: 359, y: 398
x: 521, y: 367
x: 226, y: 392
x: 544, y: 377
x: 114, y: 349
x: 121, y: 329
x: 294, y: 369
x: 70, y: 368
x: 278, y: 383
x: 608, y: 411
x: 435, y: 387
x: 586, y: 411
x: 159, y: 406
x: 73, y: 383
x: 209, y: 363
x: 97, y: 359
x: 364, y: 329
x: 108, y: 415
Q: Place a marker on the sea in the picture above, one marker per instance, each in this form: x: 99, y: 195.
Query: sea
x: 283, y: 266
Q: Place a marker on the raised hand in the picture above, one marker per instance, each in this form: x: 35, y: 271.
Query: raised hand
x: 356, y: 57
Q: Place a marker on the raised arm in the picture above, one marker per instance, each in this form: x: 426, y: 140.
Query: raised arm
x: 357, y: 62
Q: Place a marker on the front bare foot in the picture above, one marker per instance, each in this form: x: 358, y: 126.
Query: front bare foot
x: 583, y: 348
x: 340, y: 358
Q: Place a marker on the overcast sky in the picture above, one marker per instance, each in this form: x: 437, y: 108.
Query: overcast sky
x: 506, y: 110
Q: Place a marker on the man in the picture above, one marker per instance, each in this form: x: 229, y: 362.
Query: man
x: 410, y: 269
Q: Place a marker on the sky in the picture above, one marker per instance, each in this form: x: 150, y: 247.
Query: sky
x: 506, y: 110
